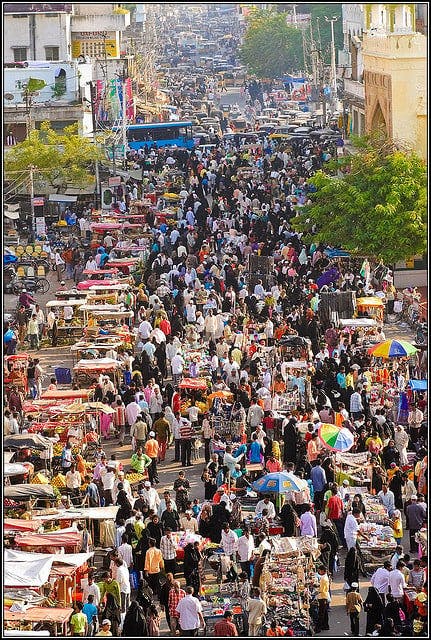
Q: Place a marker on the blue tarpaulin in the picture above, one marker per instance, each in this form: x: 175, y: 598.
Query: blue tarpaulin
x: 418, y: 385
x: 337, y: 253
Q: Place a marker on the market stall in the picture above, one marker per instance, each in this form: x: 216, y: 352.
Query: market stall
x: 370, y: 306
x: 86, y: 371
x: 35, y: 618
x: 288, y: 583
x: 194, y: 390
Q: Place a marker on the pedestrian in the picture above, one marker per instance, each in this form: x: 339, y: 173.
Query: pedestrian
x: 187, y: 434
x: 226, y: 627
x: 354, y: 605
x: 152, y: 451
x: 256, y: 611
x: 189, y: 610
x: 153, y: 566
x: 323, y: 598
x: 374, y: 608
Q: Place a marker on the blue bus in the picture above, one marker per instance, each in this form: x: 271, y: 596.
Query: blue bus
x: 164, y: 134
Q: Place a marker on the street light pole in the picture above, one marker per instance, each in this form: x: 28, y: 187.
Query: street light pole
x: 333, y: 66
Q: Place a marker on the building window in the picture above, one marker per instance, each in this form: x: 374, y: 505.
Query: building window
x: 52, y: 53
x: 20, y: 54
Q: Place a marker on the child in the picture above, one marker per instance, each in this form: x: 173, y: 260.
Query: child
x: 397, y: 525
x: 153, y: 622
x: 196, y: 508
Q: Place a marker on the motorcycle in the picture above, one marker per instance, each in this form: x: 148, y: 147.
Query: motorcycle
x: 15, y: 284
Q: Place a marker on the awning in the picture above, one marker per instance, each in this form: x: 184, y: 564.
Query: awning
x: 61, y: 197
x: 418, y: 385
x: 71, y: 559
x: 11, y: 215
x: 56, y: 615
x: 31, y: 573
x: 193, y: 383
x: 57, y: 539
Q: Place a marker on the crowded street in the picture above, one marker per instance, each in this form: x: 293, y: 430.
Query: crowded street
x: 215, y: 423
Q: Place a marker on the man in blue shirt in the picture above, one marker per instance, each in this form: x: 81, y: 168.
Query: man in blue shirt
x: 318, y: 478
x: 90, y: 610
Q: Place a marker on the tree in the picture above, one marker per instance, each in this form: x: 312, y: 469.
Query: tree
x: 59, y: 159
x: 372, y: 203
x: 271, y: 47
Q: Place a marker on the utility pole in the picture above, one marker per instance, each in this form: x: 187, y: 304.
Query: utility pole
x: 333, y: 66
x: 33, y: 219
x: 96, y: 162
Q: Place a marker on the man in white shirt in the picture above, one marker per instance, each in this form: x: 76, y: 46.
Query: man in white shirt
x: 351, y: 528
x: 380, y: 579
x: 133, y: 410
x: 73, y: 480
x: 151, y: 496
x: 387, y: 498
x: 123, y: 579
x: 265, y: 504
x: 189, y: 610
x: 397, y: 581
x: 125, y: 551
x: 245, y: 550
x: 229, y: 541
x: 188, y: 522
x: 91, y: 588
x: 177, y: 366
x: 145, y: 329
x: 122, y: 480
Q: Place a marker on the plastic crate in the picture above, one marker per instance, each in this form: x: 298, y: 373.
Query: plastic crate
x: 63, y: 375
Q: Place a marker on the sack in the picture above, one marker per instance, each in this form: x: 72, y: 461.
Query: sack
x: 398, y: 306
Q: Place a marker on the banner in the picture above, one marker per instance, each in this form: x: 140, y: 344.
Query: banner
x: 352, y: 459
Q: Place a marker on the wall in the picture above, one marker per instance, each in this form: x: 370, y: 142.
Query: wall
x: 50, y: 29
x: 402, y: 98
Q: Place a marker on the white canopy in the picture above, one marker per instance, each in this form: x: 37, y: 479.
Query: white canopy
x: 357, y: 322
x: 32, y: 572
x: 63, y: 303
x: 73, y: 559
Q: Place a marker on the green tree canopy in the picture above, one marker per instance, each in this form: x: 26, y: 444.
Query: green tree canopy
x: 372, y: 203
x: 271, y: 47
x: 59, y: 159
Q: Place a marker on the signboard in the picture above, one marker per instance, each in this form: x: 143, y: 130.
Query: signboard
x: 38, y: 202
x: 40, y: 226
x: 114, y: 181
x: 94, y: 45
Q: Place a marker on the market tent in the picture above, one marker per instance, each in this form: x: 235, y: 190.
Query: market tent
x: 100, y: 364
x: 72, y: 559
x: 31, y: 573
x: 58, y: 539
x: 27, y: 441
x: 418, y: 385
x: 57, y: 394
x: 28, y: 491
x: 14, y: 469
x: 193, y: 383
x: 17, y: 524
x: 91, y: 513
x: 39, y: 614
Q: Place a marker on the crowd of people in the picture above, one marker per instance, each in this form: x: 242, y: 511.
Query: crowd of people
x: 238, y: 202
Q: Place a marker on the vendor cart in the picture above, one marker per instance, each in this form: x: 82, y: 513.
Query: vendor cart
x: 370, y: 306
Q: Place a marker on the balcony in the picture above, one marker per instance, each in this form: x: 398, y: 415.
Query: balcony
x: 353, y: 88
x: 108, y: 22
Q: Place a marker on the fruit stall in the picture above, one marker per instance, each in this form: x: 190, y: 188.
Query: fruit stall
x: 194, y: 390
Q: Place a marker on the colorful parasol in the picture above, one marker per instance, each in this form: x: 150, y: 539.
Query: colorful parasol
x: 279, y: 482
x: 336, y: 438
x: 392, y: 349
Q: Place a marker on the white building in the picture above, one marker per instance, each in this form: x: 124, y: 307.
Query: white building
x: 67, y: 45
x: 350, y: 60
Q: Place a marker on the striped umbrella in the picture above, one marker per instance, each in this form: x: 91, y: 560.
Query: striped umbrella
x: 336, y: 438
x: 392, y: 349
